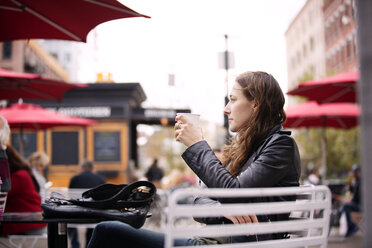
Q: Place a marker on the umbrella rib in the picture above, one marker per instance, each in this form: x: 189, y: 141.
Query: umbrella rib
x: 341, y: 123
x: 337, y: 95
x: 297, y: 122
x: 65, y: 31
x: 115, y: 8
x: 10, y: 8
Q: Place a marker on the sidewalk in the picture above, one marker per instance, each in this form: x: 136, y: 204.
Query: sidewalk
x: 337, y: 241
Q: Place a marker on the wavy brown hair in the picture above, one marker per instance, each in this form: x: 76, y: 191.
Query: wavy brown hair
x: 16, y: 163
x: 264, y: 90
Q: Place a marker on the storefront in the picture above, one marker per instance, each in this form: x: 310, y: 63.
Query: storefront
x: 111, y: 143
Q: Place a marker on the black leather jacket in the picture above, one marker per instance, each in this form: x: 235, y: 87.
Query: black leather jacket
x: 275, y: 163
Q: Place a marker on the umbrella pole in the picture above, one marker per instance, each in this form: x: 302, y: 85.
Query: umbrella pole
x: 21, y: 140
x: 324, y: 150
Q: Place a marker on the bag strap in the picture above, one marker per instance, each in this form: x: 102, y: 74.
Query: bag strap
x: 135, y: 194
x: 103, y: 191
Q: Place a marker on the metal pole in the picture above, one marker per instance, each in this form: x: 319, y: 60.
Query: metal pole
x: 226, y: 121
x: 364, y: 10
x: 324, y: 154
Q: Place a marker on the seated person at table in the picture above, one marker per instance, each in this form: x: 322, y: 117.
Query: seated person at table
x: 23, y: 196
x: 38, y: 161
x: 261, y: 154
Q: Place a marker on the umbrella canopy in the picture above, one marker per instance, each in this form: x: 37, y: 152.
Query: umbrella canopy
x: 312, y: 114
x: 337, y: 88
x: 30, y: 116
x: 14, y: 85
x: 56, y: 19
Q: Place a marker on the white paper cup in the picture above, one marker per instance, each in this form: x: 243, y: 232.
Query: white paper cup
x: 192, y: 118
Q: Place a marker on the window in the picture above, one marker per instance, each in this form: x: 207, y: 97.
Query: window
x: 65, y: 148
x: 29, y: 142
x: 54, y: 55
x: 348, y: 50
x: 304, y: 51
x: 67, y: 57
x: 312, y: 44
x: 7, y: 50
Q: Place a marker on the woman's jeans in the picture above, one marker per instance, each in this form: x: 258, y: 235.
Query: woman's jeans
x: 114, y: 234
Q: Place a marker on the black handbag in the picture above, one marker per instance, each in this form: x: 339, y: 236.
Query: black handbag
x: 128, y: 203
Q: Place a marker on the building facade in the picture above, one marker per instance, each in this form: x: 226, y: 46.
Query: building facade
x: 305, y: 44
x: 29, y: 56
x: 340, y: 36
x: 322, y: 41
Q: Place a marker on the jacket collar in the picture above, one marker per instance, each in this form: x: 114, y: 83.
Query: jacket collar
x: 276, y: 129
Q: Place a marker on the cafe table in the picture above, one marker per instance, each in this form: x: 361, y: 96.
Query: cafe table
x: 56, y: 227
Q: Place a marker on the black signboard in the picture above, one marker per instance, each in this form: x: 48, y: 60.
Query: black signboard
x: 107, y: 146
x: 65, y: 148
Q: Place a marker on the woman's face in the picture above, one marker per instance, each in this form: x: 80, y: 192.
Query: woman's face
x: 239, y: 109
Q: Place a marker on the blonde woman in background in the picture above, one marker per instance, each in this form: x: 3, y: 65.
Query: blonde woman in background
x: 38, y: 161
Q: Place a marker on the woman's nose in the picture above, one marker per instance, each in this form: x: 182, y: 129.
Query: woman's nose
x: 226, y: 110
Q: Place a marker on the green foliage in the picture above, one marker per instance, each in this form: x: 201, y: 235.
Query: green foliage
x: 306, y: 77
x: 342, y: 148
x: 162, y: 145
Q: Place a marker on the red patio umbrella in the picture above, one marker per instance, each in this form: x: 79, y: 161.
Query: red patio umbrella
x: 57, y: 19
x: 34, y: 117
x: 14, y: 85
x: 337, y: 88
x: 311, y: 114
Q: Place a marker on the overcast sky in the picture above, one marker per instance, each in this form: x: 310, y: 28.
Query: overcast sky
x: 184, y: 37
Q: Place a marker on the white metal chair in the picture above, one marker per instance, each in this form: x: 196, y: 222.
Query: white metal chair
x: 308, y: 226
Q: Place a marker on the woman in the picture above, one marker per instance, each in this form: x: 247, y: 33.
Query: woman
x: 38, y: 162
x: 261, y: 154
x: 23, y: 196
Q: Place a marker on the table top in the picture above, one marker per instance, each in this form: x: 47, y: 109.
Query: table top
x: 37, y: 217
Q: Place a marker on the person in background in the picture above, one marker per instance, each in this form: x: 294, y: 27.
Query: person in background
x: 154, y: 173
x: 85, y: 179
x: 4, y: 165
x: 261, y: 154
x: 313, y: 178
x: 23, y: 196
x: 38, y: 161
x: 354, y: 205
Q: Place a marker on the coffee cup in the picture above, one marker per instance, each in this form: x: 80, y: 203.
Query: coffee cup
x: 194, y: 119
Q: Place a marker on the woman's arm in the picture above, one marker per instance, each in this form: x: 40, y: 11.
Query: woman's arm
x: 209, y: 202
x: 278, y: 155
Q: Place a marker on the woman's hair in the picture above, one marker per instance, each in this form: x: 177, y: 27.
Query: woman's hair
x: 16, y: 163
x: 37, y: 159
x: 264, y: 90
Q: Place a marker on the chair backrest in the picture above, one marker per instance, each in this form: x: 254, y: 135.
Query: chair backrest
x: 308, y: 227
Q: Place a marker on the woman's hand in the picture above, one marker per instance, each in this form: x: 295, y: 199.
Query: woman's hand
x: 243, y: 220
x: 186, y: 132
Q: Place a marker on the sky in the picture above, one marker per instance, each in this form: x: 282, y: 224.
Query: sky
x: 184, y: 38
